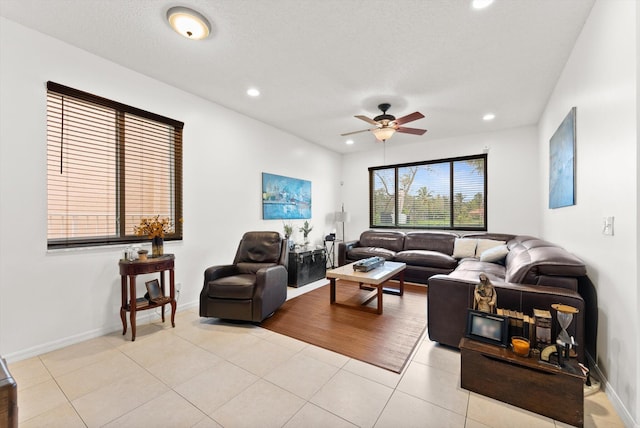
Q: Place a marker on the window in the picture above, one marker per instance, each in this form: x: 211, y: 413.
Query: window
x: 108, y: 166
x: 442, y: 194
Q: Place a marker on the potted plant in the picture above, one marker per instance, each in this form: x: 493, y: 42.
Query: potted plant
x: 288, y: 229
x: 305, y: 229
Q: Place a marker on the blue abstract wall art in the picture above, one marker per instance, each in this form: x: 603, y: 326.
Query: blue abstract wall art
x: 285, y: 197
x: 562, y: 163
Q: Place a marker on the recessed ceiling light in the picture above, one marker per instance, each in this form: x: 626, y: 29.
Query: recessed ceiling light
x: 188, y: 23
x: 348, y: 142
x: 253, y: 92
x: 488, y: 117
x: 481, y: 4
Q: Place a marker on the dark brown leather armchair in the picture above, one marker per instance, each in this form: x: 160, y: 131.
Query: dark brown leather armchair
x: 254, y: 286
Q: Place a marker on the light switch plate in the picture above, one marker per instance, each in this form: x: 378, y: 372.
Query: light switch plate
x: 607, y: 226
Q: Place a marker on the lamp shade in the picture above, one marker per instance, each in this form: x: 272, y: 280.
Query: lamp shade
x: 383, y: 134
x: 342, y: 217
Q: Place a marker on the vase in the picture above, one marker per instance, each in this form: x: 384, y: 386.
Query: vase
x: 157, y: 246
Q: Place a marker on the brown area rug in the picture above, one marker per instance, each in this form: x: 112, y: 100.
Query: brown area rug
x: 385, y: 340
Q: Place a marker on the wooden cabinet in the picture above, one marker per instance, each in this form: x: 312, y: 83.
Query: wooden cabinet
x: 306, y: 266
x: 131, y: 303
x: 523, y: 382
x: 8, y: 398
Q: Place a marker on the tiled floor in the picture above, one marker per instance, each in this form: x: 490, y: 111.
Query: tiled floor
x: 205, y: 373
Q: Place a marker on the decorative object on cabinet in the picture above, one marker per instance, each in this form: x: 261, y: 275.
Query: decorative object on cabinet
x: 306, y: 229
x: 155, y: 229
x: 157, y: 246
x: 489, y: 328
x: 142, y: 255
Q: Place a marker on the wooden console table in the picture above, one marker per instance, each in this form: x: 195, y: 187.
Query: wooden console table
x: 129, y: 270
x: 523, y: 382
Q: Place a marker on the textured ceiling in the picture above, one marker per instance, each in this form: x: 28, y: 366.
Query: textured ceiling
x: 319, y: 63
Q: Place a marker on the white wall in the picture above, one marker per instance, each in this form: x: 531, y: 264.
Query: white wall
x: 52, y: 298
x: 600, y: 79
x: 513, y: 173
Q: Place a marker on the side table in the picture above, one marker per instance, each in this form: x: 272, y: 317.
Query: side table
x: 330, y: 250
x: 128, y: 271
x: 542, y: 388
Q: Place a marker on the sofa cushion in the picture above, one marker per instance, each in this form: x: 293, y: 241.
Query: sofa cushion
x: 232, y: 287
x: 426, y: 258
x: 470, y: 270
x: 495, y: 254
x: 358, y: 253
x: 464, y: 248
x: 441, y: 242
x: 259, y: 247
x: 485, y: 244
x: 390, y: 240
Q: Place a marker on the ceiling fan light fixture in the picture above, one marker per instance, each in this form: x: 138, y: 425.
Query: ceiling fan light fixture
x: 383, y: 134
x: 188, y: 23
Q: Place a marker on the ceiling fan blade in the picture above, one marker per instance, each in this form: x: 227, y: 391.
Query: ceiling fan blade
x: 409, y: 118
x: 355, y: 132
x: 366, y: 119
x: 415, y: 131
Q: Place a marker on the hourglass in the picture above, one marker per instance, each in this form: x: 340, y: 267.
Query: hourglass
x: 565, y: 316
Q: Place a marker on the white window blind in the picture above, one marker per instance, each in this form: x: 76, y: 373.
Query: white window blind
x: 108, y: 166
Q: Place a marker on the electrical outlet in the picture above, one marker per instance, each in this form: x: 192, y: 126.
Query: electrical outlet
x: 178, y: 287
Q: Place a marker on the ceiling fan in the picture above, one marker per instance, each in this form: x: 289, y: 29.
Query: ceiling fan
x: 386, y: 125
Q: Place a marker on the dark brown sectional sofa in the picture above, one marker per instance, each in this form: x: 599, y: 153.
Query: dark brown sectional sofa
x: 534, y: 273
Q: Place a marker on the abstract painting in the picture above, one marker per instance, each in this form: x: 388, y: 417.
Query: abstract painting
x: 562, y: 163
x: 285, y: 197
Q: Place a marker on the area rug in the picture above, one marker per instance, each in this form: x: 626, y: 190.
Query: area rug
x: 386, y: 340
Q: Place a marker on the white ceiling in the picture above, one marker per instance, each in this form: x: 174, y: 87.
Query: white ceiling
x: 319, y: 63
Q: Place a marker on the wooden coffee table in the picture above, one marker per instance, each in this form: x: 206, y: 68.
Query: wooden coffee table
x: 372, y: 280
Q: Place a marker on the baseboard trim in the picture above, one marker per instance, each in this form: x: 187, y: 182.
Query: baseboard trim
x: 612, y: 395
x: 143, y: 318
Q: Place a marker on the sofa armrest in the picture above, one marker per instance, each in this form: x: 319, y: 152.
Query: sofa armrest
x: 214, y: 272
x: 270, y: 291
x: 343, y: 247
x: 448, y: 300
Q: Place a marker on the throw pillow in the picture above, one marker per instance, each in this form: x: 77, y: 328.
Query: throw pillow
x: 494, y: 254
x: 464, y: 248
x: 485, y: 244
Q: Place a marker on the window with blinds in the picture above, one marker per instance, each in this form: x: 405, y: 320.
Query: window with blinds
x: 441, y: 194
x: 108, y: 166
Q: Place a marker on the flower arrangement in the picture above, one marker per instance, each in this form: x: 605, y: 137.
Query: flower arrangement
x: 153, y: 227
